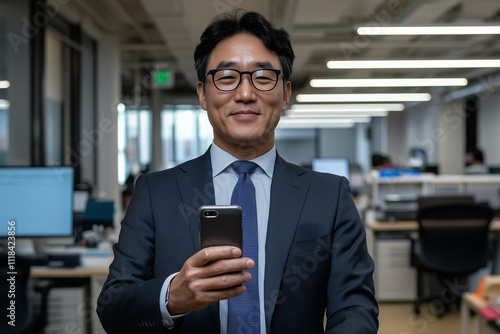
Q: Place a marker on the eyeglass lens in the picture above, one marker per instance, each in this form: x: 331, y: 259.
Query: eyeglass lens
x: 228, y: 79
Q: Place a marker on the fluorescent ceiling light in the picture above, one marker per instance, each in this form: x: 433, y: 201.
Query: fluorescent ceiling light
x: 441, y: 63
x: 4, y: 84
x: 121, y: 108
x: 395, y: 97
x: 336, y: 113
x: 341, y: 118
x: 326, y: 119
x: 436, y: 30
x: 397, y: 82
x: 286, y: 123
x: 361, y: 107
x: 4, y: 104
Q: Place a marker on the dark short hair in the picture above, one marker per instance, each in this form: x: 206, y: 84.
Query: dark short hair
x: 477, y: 154
x: 229, y: 25
x: 379, y: 160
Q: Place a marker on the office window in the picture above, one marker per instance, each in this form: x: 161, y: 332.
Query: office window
x: 4, y: 101
x: 185, y: 132
x: 134, y: 141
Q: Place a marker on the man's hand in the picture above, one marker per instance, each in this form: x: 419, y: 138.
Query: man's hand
x: 212, y: 274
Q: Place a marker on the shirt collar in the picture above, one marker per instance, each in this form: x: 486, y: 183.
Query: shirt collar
x: 221, y: 160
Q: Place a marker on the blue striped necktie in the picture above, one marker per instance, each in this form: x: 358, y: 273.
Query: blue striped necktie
x: 244, y: 310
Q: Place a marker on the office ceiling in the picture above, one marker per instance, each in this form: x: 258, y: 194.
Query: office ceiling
x: 158, y: 34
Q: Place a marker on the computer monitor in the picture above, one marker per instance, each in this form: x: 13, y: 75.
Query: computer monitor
x: 338, y: 166
x: 37, y: 201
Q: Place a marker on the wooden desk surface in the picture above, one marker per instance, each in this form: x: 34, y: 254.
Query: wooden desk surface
x: 474, y: 301
x: 412, y: 225
x: 44, y: 272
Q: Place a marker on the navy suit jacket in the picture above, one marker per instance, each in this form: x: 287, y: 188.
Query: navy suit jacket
x: 316, y: 254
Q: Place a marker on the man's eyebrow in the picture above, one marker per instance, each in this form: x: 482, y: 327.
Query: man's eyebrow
x: 264, y: 64
x: 230, y: 64
x: 225, y: 64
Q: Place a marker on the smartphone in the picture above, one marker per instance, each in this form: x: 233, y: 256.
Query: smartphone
x: 221, y: 225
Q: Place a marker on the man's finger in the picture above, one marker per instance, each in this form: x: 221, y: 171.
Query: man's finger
x: 210, y: 254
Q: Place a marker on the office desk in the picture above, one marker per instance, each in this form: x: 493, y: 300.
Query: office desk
x: 82, y: 272
x: 412, y: 226
x: 96, y: 277
x: 471, y: 302
x: 390, y: 246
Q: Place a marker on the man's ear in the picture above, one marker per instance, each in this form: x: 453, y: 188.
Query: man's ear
x: 287, y: 93
x: 201, y: 95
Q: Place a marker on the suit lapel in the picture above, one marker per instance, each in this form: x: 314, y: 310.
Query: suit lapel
x: 196, y: 187
x: 195, y: 184
x: 288, y: 193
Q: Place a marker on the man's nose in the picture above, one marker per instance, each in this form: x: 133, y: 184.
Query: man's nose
x: 245, y: 90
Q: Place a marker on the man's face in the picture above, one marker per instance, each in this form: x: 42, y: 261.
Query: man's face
x: 245, y: 118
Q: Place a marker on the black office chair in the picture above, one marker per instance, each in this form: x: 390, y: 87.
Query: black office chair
x: 453, y: 243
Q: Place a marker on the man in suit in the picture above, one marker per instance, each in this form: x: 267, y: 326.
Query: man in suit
x: 312, y: 253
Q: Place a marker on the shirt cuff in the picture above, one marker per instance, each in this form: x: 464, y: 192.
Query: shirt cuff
x: 167, y: 319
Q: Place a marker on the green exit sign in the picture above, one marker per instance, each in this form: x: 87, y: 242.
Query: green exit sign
x: 164, y: 78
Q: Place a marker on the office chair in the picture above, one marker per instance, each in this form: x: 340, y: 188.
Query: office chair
x: 453, y: 243
x: 438, y: 199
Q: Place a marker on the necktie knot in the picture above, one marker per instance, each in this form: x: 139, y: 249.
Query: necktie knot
x: 244, y: 167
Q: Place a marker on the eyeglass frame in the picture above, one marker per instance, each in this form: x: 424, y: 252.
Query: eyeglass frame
x: 250, y: 73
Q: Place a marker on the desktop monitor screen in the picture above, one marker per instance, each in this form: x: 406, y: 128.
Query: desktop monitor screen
x: 338, y: 166
x: 39, y: 200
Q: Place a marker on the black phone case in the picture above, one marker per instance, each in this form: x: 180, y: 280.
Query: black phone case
x: 220, y: 225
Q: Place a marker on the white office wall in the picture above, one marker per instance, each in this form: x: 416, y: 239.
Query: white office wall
x: 379, y: 136
x: 422, y: 129
x: 363, y: 157
x: 396, y: 138
x: 439, y: 127
x: 489, y: 127
x: 323, y: 143
x: 109, y: 86
x: 337, y: 143
x: 297, y: 151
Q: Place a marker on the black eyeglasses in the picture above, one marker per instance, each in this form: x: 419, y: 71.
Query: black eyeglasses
x: 228, y: 79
